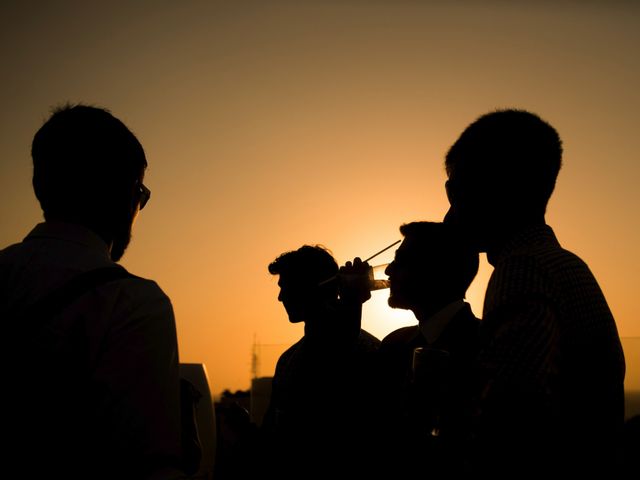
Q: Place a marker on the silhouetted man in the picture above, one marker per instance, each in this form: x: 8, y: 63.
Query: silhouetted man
x: 90, y: 357
x: 318, y: 413
x: 427, y: 404
x: 551, y: 395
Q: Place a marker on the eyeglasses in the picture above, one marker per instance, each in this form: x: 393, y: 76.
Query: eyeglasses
x: 145, y: 195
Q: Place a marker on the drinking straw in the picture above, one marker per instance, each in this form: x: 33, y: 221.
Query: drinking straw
x: 383, y: 250
x: 364, y: 261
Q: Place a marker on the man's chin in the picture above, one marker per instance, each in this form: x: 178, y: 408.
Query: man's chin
x: 119, y: 246
x: 395, y: 302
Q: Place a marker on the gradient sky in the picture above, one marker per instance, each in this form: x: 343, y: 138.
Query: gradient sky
x: 271, y: 124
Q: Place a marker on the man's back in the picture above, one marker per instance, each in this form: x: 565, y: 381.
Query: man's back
x: 321, y: 408
x: 85, y: 393
x: 309, y: 377
x: 552, y: 358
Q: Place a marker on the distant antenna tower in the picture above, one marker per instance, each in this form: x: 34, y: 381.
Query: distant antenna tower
x: 255, y: 361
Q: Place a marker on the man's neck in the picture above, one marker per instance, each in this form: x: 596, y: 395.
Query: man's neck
x: 101, y: 232
x: 427, y: 310
x: 432, y: 327
x: 500, y: 239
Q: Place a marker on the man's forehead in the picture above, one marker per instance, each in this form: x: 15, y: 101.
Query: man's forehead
x: 289, y: 280
x: 418, y: 247
x: 407, y: 247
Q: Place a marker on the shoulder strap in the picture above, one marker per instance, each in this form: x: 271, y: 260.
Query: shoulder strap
x: 57, y: 300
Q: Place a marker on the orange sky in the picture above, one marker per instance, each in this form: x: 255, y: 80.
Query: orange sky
x: 270, y: 124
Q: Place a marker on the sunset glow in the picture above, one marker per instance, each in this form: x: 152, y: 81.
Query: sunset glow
x: 268, y: 125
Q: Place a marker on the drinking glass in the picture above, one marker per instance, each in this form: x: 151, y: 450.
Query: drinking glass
x: 379, y: 280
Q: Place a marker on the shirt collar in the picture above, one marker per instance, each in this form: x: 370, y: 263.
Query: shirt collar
x: 531, y: 235
x: 433, y: 326
x: 70, y: 232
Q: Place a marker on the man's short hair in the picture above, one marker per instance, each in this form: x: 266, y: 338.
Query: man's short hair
x: 512, y: 150
x: 436, y: 241
x: 83, y: 159
x: 309, y: 264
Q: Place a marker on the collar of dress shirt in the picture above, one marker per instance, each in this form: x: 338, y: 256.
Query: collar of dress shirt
x: 69, y: 232
x: 433, y: 326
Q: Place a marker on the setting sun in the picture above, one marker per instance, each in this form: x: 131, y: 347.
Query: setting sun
x: 269, y: 125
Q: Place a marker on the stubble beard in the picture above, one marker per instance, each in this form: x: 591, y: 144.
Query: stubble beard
x: 120, y: 243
